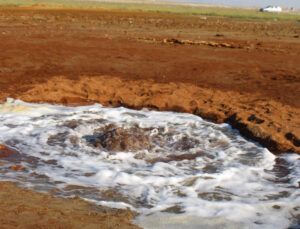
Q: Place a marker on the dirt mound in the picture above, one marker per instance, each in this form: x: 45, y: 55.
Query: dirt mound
x: 189, y: 42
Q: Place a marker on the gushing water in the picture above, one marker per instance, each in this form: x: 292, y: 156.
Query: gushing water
x: 157, y: 163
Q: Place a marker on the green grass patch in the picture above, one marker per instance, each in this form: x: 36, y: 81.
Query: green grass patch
x: 156, y: 7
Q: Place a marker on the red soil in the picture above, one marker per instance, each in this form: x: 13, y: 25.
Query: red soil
x: 243, y: 72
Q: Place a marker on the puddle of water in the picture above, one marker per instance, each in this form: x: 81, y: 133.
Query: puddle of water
x: 156, y: 163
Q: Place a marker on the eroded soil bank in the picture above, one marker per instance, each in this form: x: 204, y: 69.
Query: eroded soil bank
x: 243, y: 72
x: 265, y: 121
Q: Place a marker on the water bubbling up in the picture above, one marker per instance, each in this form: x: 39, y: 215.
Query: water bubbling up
x: 171, y: 163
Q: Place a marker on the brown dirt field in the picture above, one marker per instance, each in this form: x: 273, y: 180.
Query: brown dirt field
x: 243, y: 72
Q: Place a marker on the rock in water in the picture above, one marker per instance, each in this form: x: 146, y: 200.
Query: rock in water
x: 6, y: 152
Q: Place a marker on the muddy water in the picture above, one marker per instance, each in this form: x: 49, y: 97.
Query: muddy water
x: 176, y: 170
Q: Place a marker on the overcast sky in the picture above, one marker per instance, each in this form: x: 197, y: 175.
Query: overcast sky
x: 258, y: 3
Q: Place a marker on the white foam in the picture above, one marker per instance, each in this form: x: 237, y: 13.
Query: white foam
x: 231, y: 182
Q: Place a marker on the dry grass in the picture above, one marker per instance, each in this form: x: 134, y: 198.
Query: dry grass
x: 157, y: 7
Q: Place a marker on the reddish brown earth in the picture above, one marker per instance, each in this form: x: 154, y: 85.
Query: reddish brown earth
x: 22, y: 208
x: 243, y: 72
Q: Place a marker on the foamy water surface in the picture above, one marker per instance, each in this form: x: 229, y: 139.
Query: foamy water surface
x: 196, y: 174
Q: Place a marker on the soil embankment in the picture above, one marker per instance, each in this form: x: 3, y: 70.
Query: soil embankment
x: 243, y: 72
x: 262, y: 120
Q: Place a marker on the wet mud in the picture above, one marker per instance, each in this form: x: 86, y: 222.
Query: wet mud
x: 21, y: 208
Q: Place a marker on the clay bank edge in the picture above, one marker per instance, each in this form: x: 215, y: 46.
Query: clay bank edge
x: 218, y: 106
